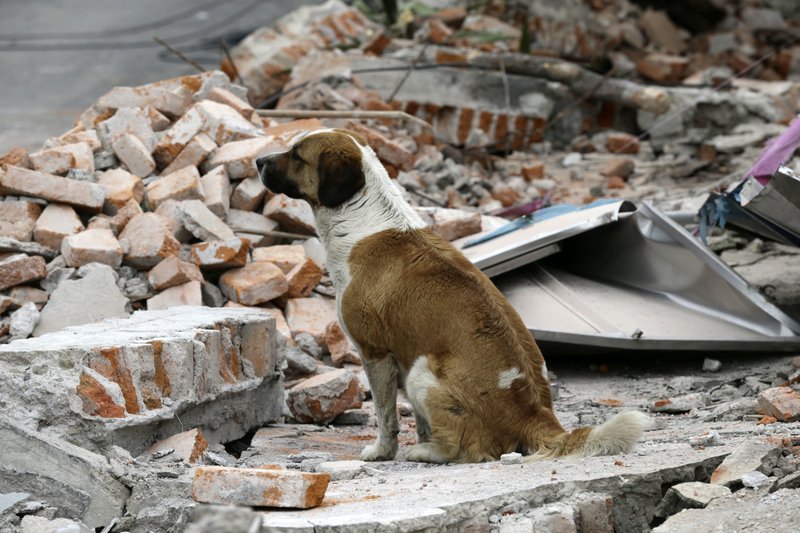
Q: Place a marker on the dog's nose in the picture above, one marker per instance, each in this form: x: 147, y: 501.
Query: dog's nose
x: 261, y: 163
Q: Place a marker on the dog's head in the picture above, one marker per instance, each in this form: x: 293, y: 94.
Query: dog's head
x: 323, y: 168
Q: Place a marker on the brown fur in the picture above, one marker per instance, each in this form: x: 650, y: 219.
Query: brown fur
x: 412, y: 294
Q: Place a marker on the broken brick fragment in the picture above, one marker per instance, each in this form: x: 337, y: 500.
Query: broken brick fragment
x: 781, y: 402
x: 323, y: 397
x: 259, y: 487
x: 188, y: 446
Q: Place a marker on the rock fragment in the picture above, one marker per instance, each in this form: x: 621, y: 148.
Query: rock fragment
x: 18, y: 269
x: 81, y: 195
x: 186, y: 294
x: 18, y: 219
x: 188, y: 446
x: 324, y: 397
x: 221, y: 254
x: 781, y: 402
x: 292, y: 215
x: 92, y: 246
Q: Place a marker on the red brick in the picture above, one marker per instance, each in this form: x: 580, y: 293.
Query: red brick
x: 253, y: 284
x: 146, y: 240
x: 112, y: 364
x: 311, y: 315
x: 188, y: 293
x: 323, y: 397
x: 622, y: 143
x: 230, y: 253
x: 781, y: 402
x: 19, y: 269
x: 18, y: 219
x: 87, y: 196
x: 259, y: 487
x: 533, y: 171
x: 303, y: 278
x: 97, y: 395
x: 386, y: 149
x: 339, y: 345
x: 293, y: 215
x: 172, y: 271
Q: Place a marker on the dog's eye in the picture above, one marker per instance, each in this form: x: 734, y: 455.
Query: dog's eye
x: 295, y: 156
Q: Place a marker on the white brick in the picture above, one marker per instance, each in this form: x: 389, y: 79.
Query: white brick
x: 217, y: 191
x: 120, y: 186
x: 202, y: 223
x: 127, y: 120
x: 193, y: 154
x: 83, y: 195
x: 61, y: 159
x: 134, y: 154
x: 56, y: 222
x: 92, y: 246
x: 239, y: 158
x: 247, y: 196
x: 293, y: 215
x: 186, y: 294
x: 178, y: 136
x: 183, y: 184
x: 224, y: 124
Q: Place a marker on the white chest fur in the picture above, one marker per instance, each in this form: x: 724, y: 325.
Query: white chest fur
x: 378, y: 206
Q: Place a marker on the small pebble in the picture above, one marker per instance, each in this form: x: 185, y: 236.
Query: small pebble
x: 513, y: 458
x: 711, y: 365
x: 755, y: 480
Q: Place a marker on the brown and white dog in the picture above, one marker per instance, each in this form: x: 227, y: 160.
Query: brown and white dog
x: 425, y: 319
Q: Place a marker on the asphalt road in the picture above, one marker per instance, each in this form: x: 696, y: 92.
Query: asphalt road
x: 58, y: 56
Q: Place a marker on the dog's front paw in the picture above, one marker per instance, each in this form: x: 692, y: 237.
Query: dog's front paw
x: 379, y: 451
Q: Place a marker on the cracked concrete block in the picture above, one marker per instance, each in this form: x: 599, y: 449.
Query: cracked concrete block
x: 121, y: 186
x: 79, y: 194
x: 255, y: 283
x: 293, y: 215
x: 258, y: 487
x: 311, y: 315
x: 92, y: 246
x: 173, y: 271
x: 202, y: 223
x: 62, y: 159
x: 748, y: 456
x: 27, y: 451
x: 132, y: 152
x: 322, y: 398
x: 689, y: 495
x: 90, y: 299
x: 186, y: 294
x: 217, y: 366
x: 183, y: 184
x: 595, y: 512
x: 146, y: 240
x: 56, y: 222
x: 284, y: 256
x: 18, y: 219
x: 18, y: 269
x: 39, y: 524
x: 193, y: 154
x: 221, y: 255
x: 217, y: 191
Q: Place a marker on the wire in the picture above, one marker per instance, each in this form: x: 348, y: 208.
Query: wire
x: 130, y: 45
x: 166, y: 21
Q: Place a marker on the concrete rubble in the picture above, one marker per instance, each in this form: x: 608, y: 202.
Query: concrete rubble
x: 170, y: 353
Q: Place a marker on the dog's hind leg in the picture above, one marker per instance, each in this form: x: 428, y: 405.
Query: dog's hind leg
x: 382, y: 373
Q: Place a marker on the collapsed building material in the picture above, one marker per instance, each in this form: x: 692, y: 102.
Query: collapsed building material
x: 132, y: 381
x: 583, y: 256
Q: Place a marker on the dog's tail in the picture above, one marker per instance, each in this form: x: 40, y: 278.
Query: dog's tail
x: 617, y: 435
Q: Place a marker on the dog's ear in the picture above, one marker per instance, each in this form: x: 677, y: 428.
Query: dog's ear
x: 340, y: 176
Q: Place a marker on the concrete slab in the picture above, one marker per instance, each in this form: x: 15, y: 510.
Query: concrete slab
x: 416, y: 498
